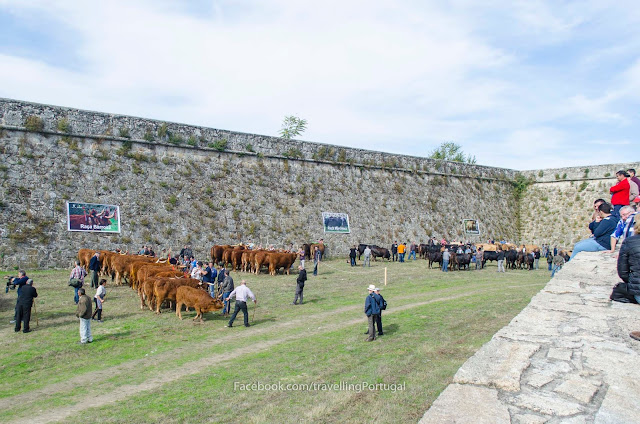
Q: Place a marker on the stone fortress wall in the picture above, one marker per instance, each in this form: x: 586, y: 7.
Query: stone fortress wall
x: 178, y: 183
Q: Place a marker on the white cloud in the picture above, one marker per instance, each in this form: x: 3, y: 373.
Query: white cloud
x: 400, y: 77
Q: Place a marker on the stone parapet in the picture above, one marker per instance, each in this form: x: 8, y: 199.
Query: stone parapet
x: 567, y: 357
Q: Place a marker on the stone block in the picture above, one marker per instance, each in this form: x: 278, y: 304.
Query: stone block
x: 546, y: 403
x: 499, y: 363
x: 579, y: 389
x: 464, y: 404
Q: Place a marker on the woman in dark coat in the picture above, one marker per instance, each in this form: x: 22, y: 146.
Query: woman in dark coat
x: 629, y: 267
x: 629, y: 263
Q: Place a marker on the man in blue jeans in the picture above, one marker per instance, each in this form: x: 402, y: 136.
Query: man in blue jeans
x: 445, y: 260
x: 602, y: 230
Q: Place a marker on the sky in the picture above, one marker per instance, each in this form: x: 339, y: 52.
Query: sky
x: 518, y: 84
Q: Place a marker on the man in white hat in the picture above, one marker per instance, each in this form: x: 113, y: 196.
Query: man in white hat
x: 372, y: 311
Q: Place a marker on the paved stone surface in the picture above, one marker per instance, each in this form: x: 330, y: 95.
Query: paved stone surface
x: 566, y: 358
x: 475, y: 405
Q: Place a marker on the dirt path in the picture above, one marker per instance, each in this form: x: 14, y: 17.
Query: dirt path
x: 194, y: 367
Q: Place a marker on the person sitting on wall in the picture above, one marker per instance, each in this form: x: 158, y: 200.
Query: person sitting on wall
x: 601, y: 239
x: 595, y: 217
x: 624, y: 228
x: 628, y: 291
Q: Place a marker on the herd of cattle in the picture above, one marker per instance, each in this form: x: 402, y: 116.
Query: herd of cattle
x: 157, y: 281
x: 514, y: 258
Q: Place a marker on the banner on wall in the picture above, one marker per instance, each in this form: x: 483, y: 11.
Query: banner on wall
x: 471, y: 226
x: 93, y: 217
x: 335, y: 222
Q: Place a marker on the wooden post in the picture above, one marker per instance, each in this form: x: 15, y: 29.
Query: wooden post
x: 385, y: 275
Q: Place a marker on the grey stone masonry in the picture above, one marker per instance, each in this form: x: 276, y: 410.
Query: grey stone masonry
x: 566, y: 358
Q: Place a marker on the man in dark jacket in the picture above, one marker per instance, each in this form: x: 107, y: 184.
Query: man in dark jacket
x: 23, y: 309
x: 83, y: 311
x: 352, y: 255
x: 394, y: 251
x: 302, y: 277
x: 19, y: 282
x: 629, y: 263
x: 371, y: 310
x: 602, y: 230
x: 227, y: 288
x: 94, y: 267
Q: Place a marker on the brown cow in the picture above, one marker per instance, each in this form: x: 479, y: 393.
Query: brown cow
x: 278, y: 260
x: 260, y: 259
x: 197, y: 299
x: 236, y: 259
x: 138, y: 263
x: 165, y: 289
x: 145, y: 288
x: 84, y: 256
x: 216, y: 253
x: 247, y: 259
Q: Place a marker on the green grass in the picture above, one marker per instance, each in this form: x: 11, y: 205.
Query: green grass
x: 156, y: 368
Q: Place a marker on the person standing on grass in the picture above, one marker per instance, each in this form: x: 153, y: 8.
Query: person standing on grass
x: 479, y: 257
x: 352, y: 255
x: 316, y: 259
x: 23, y: 308
x: 99, y: 299
x: 558, y: 262
x: 83, y: 311
x: 500, y: 259
x: 221, y: 274
x: 302, y: 277
x: 549, y: 260
x: 241, y: 294
x: 394, y: 251
x: 18, y: 282
x: 445, y: 260
x: 367, y: 257
x: 372, y: 311
x: 227, y: 288
x: 78, y: 273
x: 94, y: 267
x: 383, y: 305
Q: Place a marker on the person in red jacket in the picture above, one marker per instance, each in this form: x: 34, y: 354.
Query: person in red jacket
x: 620, y: 193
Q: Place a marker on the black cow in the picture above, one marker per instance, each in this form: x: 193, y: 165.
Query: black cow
x: 511, y: 256
x: 463, y: 260
x: 434, y: 256
x: 423, y: 249
x: 528, y: 261
x: 380, y: 252
x: 361, y: 248
x: 489, y: 256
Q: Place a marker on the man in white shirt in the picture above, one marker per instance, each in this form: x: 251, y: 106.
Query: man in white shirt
x: 241, y: 294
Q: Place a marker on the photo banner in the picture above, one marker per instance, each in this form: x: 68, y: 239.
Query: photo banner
x: 335, y: 222
x: 93, y: 217
x: 471, y: 226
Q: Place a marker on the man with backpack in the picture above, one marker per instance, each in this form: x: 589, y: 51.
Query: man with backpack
x: 372, y: 311
x: 383, y: 306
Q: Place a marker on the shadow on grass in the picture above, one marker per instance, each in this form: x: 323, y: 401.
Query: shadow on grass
x: 389, y: 329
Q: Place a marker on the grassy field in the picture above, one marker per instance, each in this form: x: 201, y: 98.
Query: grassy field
x: 144, y: 367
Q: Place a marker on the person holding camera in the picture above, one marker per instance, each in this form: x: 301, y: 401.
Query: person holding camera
x: 20, y: 281
x: 78, y: 273
x: 23, y: 307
